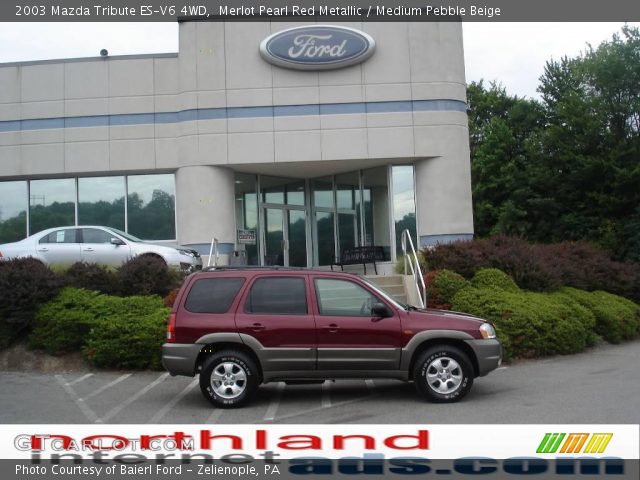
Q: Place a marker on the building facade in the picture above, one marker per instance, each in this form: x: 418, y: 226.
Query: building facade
x: 281, y: 165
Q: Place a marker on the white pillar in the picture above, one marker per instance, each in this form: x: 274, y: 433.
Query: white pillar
x: 205, y: 207
x: 443, y: 192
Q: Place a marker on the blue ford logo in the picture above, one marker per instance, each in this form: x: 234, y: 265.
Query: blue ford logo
x: 317, y: 47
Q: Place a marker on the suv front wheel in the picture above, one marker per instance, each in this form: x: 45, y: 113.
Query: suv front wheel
x: 443, y: 374
x: 228, y: 379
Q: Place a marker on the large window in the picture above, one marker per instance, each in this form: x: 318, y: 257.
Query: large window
x: 52, y: 203
x: 277, y: 296
x: 376, y: 208
x: 101, y: 201
x: 246, y: 196
x: 151, y: 201
x: 404, y: 204
x: 343, y: 298
x: 13, y: 211
x: 143, y: 205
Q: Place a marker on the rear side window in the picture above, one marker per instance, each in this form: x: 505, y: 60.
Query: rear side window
x: 61, y: 236
x: 277, y: 295
x: 212, y: 295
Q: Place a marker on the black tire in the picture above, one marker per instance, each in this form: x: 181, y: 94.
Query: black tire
x: 222, y: 391
x: 447, y: 384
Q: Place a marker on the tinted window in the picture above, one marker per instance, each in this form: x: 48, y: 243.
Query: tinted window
x: 93, y: 235
x: 343, y: 298
x: 213, y: 295
x: 60, y: 236
x: 285, y: 296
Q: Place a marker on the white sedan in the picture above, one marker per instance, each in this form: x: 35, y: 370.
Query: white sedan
x: 94, y: 244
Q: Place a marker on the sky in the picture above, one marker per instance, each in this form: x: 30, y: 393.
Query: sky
x: 513, y: 54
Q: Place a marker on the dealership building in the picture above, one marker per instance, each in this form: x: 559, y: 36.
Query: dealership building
x: 288, y: 142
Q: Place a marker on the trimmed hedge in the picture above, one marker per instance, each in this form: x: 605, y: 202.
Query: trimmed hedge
x: 442, y: 286
x: 92, y: 277
x: 25, y: 284
x: 537, y: 267
x: 118, y: 332
x: 127, y: 342
x: 494, y: 278
x: 531, y: 324
x: 147, y: 275
x: 616, y: 318
x: 62, y: 325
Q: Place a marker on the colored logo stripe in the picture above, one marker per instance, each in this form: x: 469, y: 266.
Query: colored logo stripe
x: 550, y: 442
x: 598, y: 442
x: 575, y: 441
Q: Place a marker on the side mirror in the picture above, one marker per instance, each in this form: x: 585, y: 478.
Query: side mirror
x: 116, y: 241
x: 381, y: 310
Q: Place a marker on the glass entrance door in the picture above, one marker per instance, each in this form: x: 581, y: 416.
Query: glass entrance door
x: 274, y: 238
x: 285, y: 237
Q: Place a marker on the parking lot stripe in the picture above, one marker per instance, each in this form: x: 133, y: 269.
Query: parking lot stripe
x: 84, y: 408
x: 326, y: 394
x: 215, y: 416
x: 116, y: 410
x: 275, y: 403
x: 172, y: 403
x: 78, y: 380
x: 105, y: 387
x: 316, y: 409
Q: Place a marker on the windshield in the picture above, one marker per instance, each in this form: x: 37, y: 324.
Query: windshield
x: 385, y: 294
x: 131, y: 238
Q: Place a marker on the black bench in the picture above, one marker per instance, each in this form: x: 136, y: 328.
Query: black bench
x: 360, y: 255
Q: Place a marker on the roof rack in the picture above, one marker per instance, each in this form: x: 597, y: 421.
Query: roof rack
x: 251, y: 267
x: 279, y: 268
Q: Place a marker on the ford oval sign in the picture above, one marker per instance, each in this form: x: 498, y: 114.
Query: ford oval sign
x: 317, y: 47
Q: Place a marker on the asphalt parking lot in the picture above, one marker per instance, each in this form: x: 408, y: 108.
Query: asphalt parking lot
x: 599, y: 386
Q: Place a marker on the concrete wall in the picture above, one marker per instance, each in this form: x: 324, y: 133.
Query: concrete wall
x: 218, y: 103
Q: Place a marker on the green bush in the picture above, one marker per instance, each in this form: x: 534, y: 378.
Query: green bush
x: 528, y: 324
x: 118, y: 332
x: 25, y: 284
x: 62, y: 325
x: 580, y: 312
x: 128, y: 342
x: 442, y: 285
x: 494, y: 278
x: 616, y: 318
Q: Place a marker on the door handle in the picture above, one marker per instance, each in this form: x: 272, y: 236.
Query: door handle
x: 43, y: 249
x: 333, y: 328
x: 256, y: 327
x: 88, y: 249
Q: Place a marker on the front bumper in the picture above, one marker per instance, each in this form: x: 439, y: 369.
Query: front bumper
x: 488, y: 353
x: 180, y: 358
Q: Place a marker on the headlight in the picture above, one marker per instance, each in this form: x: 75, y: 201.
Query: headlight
x: 487, y: 330
x: 186, y: 252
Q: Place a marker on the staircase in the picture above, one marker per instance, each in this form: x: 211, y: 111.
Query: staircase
x: 392, y: 284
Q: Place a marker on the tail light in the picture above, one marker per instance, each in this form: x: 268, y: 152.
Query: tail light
x: 171, y: 328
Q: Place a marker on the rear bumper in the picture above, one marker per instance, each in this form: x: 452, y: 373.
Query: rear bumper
x: 180, y: 358
x: 489, y: 354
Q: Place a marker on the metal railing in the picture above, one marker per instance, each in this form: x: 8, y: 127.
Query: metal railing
x: 213, y: 253
x: 411, y: 259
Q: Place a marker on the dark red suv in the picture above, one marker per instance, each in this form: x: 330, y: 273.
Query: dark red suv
x: 241, y: 327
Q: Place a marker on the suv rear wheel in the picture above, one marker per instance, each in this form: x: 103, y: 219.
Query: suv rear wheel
x: 228, y: 379
x: 443, y: 374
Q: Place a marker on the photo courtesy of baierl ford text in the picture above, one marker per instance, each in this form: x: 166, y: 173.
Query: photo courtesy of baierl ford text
x: 317, y: 240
